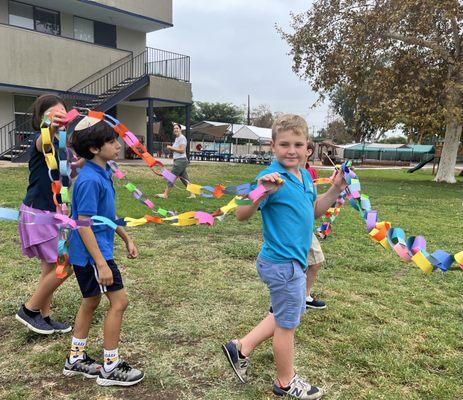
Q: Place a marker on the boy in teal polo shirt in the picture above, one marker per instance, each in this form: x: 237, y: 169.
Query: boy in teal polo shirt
x: 288, y: 211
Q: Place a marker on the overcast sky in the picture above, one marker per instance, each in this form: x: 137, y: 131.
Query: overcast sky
x: 235, y: 51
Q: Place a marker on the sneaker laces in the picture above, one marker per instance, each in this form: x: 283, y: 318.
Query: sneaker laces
x: 299, y: 381
x: 124, y: 366
x: 87, y: 359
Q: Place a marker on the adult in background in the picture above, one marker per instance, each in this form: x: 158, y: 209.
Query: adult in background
x: 180, y: 161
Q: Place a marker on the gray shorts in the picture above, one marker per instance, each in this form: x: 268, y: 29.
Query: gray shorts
x: 179, y: 170
x: 286, y: 283
x: 316, y: 255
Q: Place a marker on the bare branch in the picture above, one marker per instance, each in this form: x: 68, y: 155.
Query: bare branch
x: 423, y: 43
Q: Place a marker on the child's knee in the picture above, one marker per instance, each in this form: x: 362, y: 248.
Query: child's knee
x: 91, y: 303
x: 120, y: 303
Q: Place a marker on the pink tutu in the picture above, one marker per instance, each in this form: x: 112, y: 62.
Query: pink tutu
x: 39, y: 241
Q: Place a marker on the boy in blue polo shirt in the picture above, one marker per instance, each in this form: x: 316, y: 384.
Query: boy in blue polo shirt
x: 91, y: 254
x: 288, y: 212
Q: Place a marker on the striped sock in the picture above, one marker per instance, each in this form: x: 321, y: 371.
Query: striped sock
x: 111, y: 359
x: 77, y: 349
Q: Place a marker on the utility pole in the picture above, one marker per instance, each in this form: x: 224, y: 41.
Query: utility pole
x: 249, y: 109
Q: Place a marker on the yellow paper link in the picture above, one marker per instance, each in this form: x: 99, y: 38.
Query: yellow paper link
x: 185, y: 219
x: 385, y: 243
x: 192, y: 188
x: 459, y: 257
x: 230, y: 206
x: 46, y: 137
x: 135, y: 221
x: 186, y: 222
x: 322, y: 181
x: 50, y: 160
x: 422, y: 262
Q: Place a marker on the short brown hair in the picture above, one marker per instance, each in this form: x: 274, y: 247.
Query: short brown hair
x: 42, y: 104
x: 290, y: 122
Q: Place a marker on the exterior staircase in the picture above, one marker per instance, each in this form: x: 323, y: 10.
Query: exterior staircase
x: 101, y: 91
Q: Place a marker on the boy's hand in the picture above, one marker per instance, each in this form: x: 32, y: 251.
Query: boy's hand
x: 132, y: 251
x: 272, y: 182
x: 339, y: 181
x: 105, y: 275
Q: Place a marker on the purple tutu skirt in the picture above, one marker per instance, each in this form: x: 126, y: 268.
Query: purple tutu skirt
x: 39, y: 241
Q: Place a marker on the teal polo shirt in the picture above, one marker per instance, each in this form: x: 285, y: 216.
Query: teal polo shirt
x: 288, y: 217
x: 93, y: 194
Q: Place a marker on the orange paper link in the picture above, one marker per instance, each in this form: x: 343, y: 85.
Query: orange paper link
x: 96, y: 114
x: 218, y: 191
x: 121, y: 129
x: 156, y: 220
x: 149, y: 159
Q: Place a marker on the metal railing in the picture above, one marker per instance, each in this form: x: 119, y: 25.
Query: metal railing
x: 101, y: 86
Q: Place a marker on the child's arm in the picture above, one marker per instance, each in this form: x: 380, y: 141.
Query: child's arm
x: 273, y: 182
x: 132, y: 251
x: 105, y: 275
x: 327, y: 199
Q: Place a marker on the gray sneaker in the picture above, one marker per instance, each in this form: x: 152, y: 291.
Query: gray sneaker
x: 239, y: 365
x: 60, y: 327
x: 122, y: 375
x: 36, y: 323
x: 87, y: 367
x: 299, y: 389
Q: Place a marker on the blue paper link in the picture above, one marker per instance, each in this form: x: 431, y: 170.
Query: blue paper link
x: 104, y: 221
x: 243, y: 189
x: 396, y: 235
x: 9, y: 214
x: 62, y: 140
x: 441, y: 259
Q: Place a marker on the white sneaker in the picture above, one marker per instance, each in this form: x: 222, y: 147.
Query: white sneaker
x: 161, y: 196
x: 298, y: 389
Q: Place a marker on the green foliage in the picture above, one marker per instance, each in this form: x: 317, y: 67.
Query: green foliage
x: 394, y: 140
x: 389, y: 331
x: 220, y: 112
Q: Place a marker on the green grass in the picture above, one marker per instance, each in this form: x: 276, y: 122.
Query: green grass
x: 389, y: 332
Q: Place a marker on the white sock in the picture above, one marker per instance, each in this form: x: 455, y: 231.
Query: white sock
x: 111, y: 359
x: 309, y: 298
x: 77, y: 349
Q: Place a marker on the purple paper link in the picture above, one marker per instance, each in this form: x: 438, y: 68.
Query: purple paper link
x: 168, y: 176
x: 243, y: 189
x: 66, y: 220
x: 420, y: 243
x: 149, y: 203
x: 84, y: 222
x: 45, y: 219
x: 131, y: 139
x: 257, y: 193
x: 137, y: 194
x: 204, y: 218
x: 372, y: 218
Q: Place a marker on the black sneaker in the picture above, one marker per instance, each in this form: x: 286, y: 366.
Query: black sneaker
x: 60, y: 327
x: 299, y: 389
x: 315, y: 304
x: 36, y: 323
x: 239, y: 365
x: 87, y: 367
x: 122, y: 375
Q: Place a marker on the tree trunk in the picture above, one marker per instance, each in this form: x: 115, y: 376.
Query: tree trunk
x: 448, y: 160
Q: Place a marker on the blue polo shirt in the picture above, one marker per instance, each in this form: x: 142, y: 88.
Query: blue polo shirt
x: 93, y: 194
x: 288, y: 217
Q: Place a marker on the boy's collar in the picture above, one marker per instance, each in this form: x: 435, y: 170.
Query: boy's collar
x: 97, y: 168
x: 276, y: 165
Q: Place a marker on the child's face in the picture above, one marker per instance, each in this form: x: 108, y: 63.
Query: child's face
x: 290, y: 149
x: 109, y: 151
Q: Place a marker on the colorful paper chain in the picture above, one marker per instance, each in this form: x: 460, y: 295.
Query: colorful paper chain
x: 411, y: 249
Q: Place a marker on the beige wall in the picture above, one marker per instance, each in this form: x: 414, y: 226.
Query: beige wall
x: 4, y: 11
x: 6, y: 113
x: 156, y: 9
x: 168, y: 89
x: 46, y: 61
x: 133, y: 118
x: 130, y: 40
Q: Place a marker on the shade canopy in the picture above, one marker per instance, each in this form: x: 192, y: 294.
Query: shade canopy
x: 211, y: 128
x: 253, y: 133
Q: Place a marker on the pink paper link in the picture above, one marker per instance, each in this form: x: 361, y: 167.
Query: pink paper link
x: 257, y: 193
x: 149, y: 203
x: 204, y: 217
x: 70, y: 116
x: 169, y: 176
x: 131, y: 139
x: 402, y: 252
x: 66, y: 220
x: 119, y: 174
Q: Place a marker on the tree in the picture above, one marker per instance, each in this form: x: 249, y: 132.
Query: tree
x: 168, y: 116
x: 263, y: 117
x: 220, y: 112
x: 336, y: 131
x: 405, y: 56
x: 394, y: 140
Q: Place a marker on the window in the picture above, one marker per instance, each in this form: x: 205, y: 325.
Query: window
x: 83, y: 29
x: 95, y: 32
x: 21, y: 15
x: 47, y: 21
x: 37, y: 18
x: 23, y: 109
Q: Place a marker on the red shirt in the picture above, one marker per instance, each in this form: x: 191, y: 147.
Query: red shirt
x: 311, y: 171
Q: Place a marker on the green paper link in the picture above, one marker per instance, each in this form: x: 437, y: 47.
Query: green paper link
x: 162, y: 212
x: 131, y: 187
